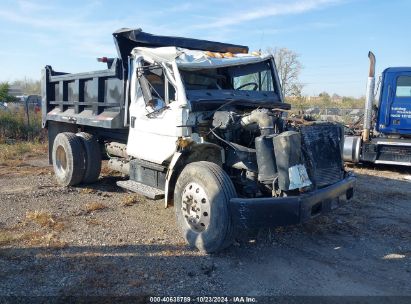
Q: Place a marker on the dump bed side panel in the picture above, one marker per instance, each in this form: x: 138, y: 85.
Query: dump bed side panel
x: 92, y: 99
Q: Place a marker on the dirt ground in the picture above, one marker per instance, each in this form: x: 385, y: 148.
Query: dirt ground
x: 99, y: 240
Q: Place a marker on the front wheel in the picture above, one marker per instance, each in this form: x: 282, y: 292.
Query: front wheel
x: 201, y: 199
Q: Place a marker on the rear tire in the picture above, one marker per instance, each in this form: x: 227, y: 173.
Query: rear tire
x: 92, y: 157
x: 201, y: 199
x: 68, y: 159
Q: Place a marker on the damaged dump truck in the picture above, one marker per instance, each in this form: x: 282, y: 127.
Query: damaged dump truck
x: 201, y: 124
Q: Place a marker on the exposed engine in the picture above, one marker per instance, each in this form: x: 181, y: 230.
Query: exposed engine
x: 270, y: 155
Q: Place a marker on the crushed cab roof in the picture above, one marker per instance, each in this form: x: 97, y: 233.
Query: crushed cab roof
x: 196, y: 59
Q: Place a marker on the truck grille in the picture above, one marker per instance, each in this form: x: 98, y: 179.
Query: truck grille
x: 321, y: 145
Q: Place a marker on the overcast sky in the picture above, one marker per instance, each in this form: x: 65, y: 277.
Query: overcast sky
x: 332, y: 37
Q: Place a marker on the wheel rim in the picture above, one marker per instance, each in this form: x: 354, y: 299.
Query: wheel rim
x: 61, y: 159
x: 196, y: 207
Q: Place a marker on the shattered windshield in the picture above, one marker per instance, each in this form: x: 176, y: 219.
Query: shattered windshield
x: 255, y: 79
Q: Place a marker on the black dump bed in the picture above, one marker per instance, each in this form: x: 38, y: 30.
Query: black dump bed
x: 98, y: 98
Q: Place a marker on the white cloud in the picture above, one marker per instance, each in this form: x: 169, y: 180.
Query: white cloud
x: 73, y: 30
x: 32, y: 6
x: 181, y: 8
x: 267, y: 10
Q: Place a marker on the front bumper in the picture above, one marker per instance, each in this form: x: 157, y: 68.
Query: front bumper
x: 249, y: 213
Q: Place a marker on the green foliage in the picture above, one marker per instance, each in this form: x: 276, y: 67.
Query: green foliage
x: 4, y: 92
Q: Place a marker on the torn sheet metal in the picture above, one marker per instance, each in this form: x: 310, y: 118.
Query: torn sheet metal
x: 298, y: 177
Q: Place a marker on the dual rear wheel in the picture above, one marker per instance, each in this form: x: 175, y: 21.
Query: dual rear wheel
x: 76, y: 158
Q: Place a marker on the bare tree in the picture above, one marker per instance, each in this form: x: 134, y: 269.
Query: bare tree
x: 289, y: 68
x: 28, y: 86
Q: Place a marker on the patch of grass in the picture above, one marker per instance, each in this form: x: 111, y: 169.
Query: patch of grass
x: 10, y: 153
x: 32, y: 238
x: 94, y: 206
x: 88, y: 191
x: 14, y: 125
x: 52, y: 241
x: 6, y: 237
x: 45, y: 220
x: 24, y: 233
x: 130, y: 200
x: 42, y: 218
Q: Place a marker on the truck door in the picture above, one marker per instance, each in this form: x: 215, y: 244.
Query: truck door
x: 155, y: 116
x: 395, y: 110
x: 401, y: 105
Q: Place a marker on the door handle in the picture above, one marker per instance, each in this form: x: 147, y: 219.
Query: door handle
x: 132, y: 121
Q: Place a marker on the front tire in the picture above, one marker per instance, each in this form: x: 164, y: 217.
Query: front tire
x: 68, y: 159
x: 201, y: 198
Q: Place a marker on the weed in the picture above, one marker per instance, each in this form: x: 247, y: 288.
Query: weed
x: 88, y: 191
x: 42, y: 218
x: 130, y: 200
x: 95, y: 206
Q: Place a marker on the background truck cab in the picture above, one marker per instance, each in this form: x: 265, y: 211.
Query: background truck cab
x: 386, y: 131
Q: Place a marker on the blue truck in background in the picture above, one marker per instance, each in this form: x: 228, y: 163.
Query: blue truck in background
x: 385, y: 136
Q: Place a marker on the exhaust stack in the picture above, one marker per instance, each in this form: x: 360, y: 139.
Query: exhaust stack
x: 369, y: 98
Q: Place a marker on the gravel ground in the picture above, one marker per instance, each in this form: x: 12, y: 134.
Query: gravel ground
x: 99, y: 240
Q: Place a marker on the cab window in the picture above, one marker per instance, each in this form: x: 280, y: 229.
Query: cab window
x: 403, y: 86
x: 157, y: 82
